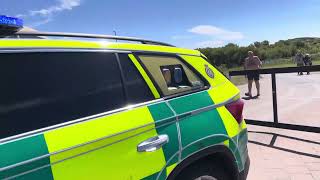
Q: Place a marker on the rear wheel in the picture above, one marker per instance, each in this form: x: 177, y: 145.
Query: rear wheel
x: 205, y: 170
x: 206, y: 178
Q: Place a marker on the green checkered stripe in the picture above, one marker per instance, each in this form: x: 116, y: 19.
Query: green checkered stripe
x: 206, y: 125
x: 205, y: 128
x: 22, y: 150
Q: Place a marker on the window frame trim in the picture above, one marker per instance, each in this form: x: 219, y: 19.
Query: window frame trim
x: 184, y: 62
x: 125, y: 88
x: 145, y: 76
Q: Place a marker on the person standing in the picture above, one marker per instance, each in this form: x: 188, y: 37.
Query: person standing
x: 252, y: 63
x: 299, y: 60
x: 307, y: 61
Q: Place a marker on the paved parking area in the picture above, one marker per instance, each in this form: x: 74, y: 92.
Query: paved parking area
x: 298, y: 99
x: 278, y: 154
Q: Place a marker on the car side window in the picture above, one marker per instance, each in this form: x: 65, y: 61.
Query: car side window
x: 171, y: 75
x: 47, y: 88
x: 136, y: 88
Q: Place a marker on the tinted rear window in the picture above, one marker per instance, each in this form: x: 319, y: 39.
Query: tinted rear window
x: 43, y: 89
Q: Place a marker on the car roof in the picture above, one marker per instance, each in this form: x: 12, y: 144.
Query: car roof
x: 77, y: 44
x: 37, y: 40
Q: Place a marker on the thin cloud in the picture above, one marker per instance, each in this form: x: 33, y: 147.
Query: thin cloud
x: 21, y: 15
x: 45, y: 15
x: 212, y: 43
x: 41, y: 22
x: 181, y: 37
x: 62, y: 6
x: 216, y: 32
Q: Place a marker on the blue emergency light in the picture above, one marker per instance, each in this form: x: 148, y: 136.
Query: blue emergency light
x: 10, y: 22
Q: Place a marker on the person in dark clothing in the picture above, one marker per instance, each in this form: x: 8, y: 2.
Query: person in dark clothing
x: 307, y: 61
x: 299, y: 60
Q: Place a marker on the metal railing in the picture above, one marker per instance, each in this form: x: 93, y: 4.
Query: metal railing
x: 273, y: 72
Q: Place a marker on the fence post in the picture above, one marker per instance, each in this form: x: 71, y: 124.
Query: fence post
x: 274, y: 98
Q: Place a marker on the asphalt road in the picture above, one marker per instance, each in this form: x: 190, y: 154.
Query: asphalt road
x: 298, y: 99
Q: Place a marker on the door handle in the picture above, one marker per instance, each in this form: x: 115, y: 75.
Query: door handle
x: 153, y: 143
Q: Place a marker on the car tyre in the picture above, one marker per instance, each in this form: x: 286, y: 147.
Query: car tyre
x: 205, y: 170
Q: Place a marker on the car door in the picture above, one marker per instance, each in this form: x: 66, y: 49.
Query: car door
x: 187, y: 95
x: 82, y: 115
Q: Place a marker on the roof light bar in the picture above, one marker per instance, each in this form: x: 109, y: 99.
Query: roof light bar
x: 11, y: 22
x: 9, y: 25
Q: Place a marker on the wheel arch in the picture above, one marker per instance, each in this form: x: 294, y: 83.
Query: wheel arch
x: 212, y: 152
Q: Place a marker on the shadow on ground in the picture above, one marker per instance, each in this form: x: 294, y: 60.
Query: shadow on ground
x: 274, y: 139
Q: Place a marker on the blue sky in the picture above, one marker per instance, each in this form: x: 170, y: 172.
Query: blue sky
x: 187, y: 23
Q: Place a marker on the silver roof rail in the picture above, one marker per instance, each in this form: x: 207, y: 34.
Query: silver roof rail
x: 94, y: 36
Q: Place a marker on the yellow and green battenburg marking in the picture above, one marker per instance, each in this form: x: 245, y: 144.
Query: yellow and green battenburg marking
x: 104, y: 161
x: 202, y: 123
x: 117, y: 161
x: 97, y: 159
x: 113, y: 155
x: 22, y: 150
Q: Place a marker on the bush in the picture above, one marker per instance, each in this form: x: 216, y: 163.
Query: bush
x: 232, y: 55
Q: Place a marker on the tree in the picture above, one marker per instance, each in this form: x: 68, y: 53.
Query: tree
x: 257, y: 44
x: 300, y: 44
x: 233, y: 55
x: 265, y: 43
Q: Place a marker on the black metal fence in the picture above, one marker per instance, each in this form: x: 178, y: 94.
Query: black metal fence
x: 273, y: 72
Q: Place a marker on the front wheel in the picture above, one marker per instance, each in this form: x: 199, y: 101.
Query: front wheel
x: 205, y: 170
